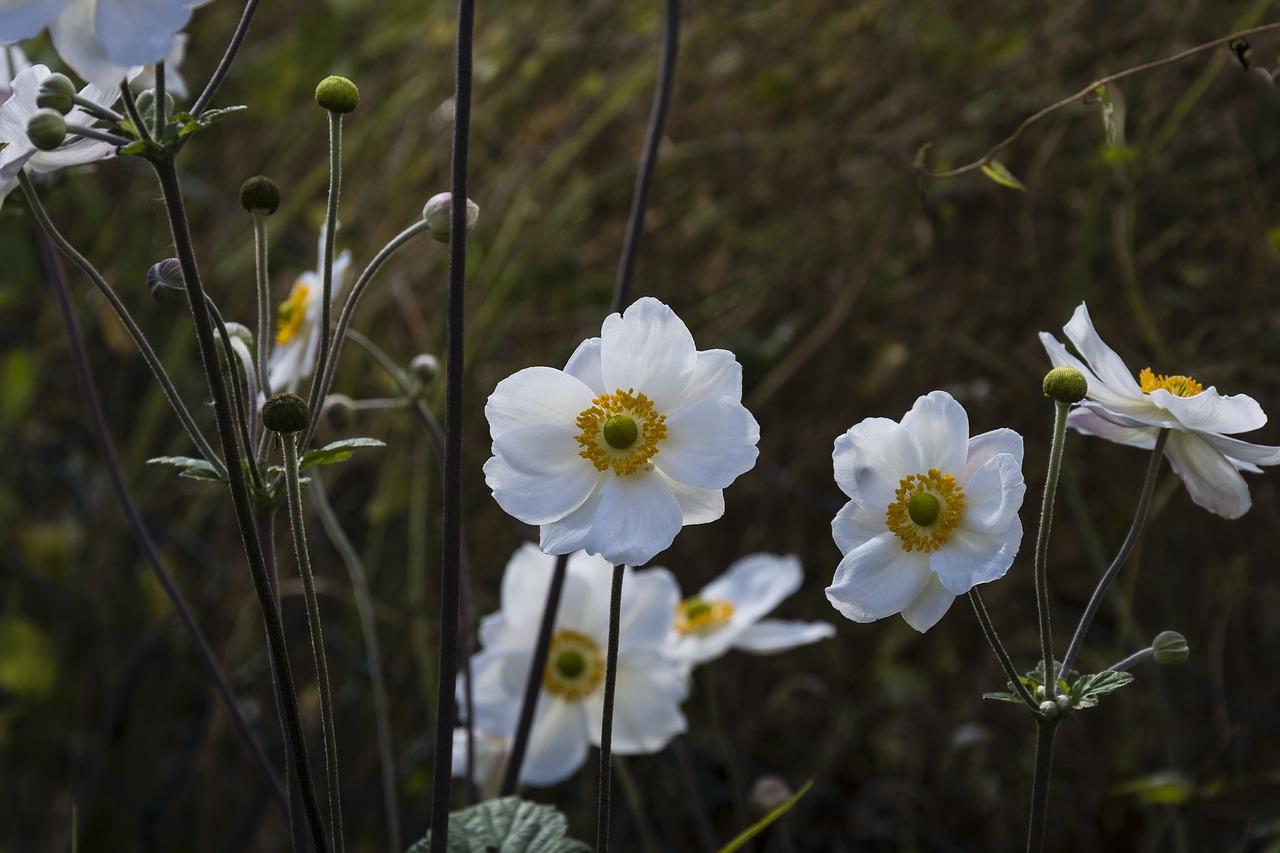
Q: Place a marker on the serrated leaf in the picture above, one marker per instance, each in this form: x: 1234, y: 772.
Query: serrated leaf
x: 998, y: 172
x: 507, y: 825
x: 337, y: 451
x: 1086, y: 689
x: 761, y: 825
x: 189, y: 467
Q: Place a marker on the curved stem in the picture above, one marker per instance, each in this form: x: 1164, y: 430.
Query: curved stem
x: 224, y: 64
x: 1138, y: 657
x: 1122, y: 556
x: 1002, y: 654
x: 1040, y: 785
x: 326, y: 263
x: 604, y: 776
x: 135, y: 333
x: 1042, y: 544
x: 260, y: 255
x: 303, y: 558
x: 131, y: 109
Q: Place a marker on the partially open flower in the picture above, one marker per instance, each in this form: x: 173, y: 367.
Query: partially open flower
x: 297, y: 340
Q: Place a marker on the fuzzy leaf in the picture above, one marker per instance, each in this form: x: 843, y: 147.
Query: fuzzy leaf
x: 1001, y: 696
x: 998, y: 172
x: 1086, y: 689
x: 337, y: 451
x: 507, y: 825
x: 189, y: 467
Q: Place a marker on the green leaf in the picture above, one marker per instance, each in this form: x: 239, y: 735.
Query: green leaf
x: 507, y: 825
x: 1001, y: 696
x: 998, y: 172
x: 1086, y: 689
x: 189, y: 467
x: 337, y: 451
x: 764, y: 822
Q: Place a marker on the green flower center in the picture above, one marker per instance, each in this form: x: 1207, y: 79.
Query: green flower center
x: 621, y: 431
x: 570, y: 663
x: 923, y: 509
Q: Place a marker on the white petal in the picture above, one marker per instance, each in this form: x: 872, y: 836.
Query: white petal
x: 877, y: 579
x: 139, y: 32
x: 536, y: 395
x: 646, y: 714
x: 585, y: 365
x: 983, y: 447
x: 709, y: 444
x: 1108, y: 366
x: 716, y: 373
x: 13, y: 61
x: 588, y: 587
x: 993, y: 495
x: 852, y: 527
x: 930, y: 605
x: 558, y: 742
x: 500, y: 676
x: 77, y: 43
x: 941, y: 428
x: 24, y: 19
x: 570, y: 533
x: 755, y: 585
x: 700, y: 506
x: 871, y: 459
x: 649, y: 601
x: 536, y: 476
x: 1243, y: 451
x: 649, y: 349
x: 636, y: 518
x: 1089, y: 422
x: 15, y: 112
x: 970, y: 557
x: 524, y: 586
x: 779, y: 635
x: 1211, y: 480
x: 1209, y: 411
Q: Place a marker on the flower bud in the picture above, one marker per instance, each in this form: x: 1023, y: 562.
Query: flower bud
x: 425, y: 368
x: 1065, y: 384
x: 337, y: 94
x: 438, y: 213
x: 165, y: 281
x: 47, y: 129
x: 339, y: 411
x: 58, y: 93
x: 1170, y: 647
x: 285, y: 412
x: 768, y: 793
x: 146, y: 104
x: 1049, y: 709
x: 260, y: 195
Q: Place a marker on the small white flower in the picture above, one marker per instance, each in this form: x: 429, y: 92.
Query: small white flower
x: 19, y: 153
x: 729, y: 612
x: 932, y: 512
x: 1132, y: 411
x: 490, y: 760
x: 636, y: 437
x: 297, y: 340
x: 650, y: 687
x: 102, y: 40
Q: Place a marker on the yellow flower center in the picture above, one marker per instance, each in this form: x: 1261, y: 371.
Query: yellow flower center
x: 700, y: 617
x: 620, y: 431
x: 926, y: 508
x: 575, y: 666
x: 292, y: 312
x: 1178, y: 386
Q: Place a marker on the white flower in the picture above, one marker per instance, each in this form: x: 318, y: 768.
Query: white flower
x: 18, y: 152
x: 174, y: 83
x: 651, y: 685
x: 1132, y: 411
x: 297, y: 340
x: 12, y: 62
x: 729, y: 612
x: 932, y: 512
x: 102, y: 40
x: 637, y: 436
x: 490, y: 760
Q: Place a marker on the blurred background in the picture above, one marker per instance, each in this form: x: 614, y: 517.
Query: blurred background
x: 787, y: 224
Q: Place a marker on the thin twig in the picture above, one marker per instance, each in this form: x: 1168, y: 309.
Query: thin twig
x: 1002, y: 654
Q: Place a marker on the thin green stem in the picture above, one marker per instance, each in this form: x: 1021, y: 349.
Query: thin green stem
x: 604, y: 775
x: 239, y: 389
x: 161, y: 110
x: 97, y: 110
x: 1042, y: 543
x: 260, y: 255
x: 1045, y: 730
x: 326, y: 262
x: 1139, y: 657
x: 289, y: 443
x: 131, y: 109
x: 1001, y: 653
x: 228, y: 56
x: 94, y: 133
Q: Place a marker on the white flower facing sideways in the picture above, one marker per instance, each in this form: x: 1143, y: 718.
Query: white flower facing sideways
x: 729, y: 612
x: 650, y: 687
x: 636, y: 437
x: 297, y: 340
x: 931, y: 512
x: 1132, y: 410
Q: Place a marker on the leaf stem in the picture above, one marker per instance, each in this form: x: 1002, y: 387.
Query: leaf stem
x: 1002, y: 654
x: 228, y: 56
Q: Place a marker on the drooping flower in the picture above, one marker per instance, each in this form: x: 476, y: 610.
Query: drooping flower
x: 650, y: 687
x: 637, y: 436
x: 1129, y: 410
x: 729, y: 612
x: 19, y: 153
x: 297, y: 340
x: 102, y: 40
x: 931, y: 512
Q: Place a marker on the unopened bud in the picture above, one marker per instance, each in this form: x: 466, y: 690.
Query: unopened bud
x: 1049, y: 709
x: 438, y: 213
x: 146, y: 104
x: 165, y: 281
x: 285, y: 412
x: 337, y: 94
x: 425, y: 368
x: 768, y: 793
x: 260, y: 195
x: 1170, y: 647
x: 1065, y: 384
x: 339, y: 411
x: 58, y: 93
x: 47, y: 129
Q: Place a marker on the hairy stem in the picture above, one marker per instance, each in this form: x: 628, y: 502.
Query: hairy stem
x: 1002, y: 654
x: 260, y: 254
x: 1042, y: 544
x: 1040, y: 785
x: 604, y: 776
x: 326, y: 262
x: 228, y: 56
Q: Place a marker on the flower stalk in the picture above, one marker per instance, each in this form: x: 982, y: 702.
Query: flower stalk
x: 1059, y: 441
x: 326, y: 269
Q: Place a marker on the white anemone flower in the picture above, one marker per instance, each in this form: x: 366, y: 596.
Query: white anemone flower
x: 1132, y: 411
x: 931, y: 512
x: 19, y: 153
x: 297, y: 340
x: 490, y: 760
x: 636, y: 437
x: 650, y: 686
x: 102, y: 40
x: 729, y: 612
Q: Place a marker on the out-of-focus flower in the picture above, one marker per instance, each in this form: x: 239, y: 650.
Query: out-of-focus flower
x: 729, y: 612
x: 932, y: 512
x: 490, y: 760
x: 12, y: 62
x: 174, y: 82
x: 637, y: 436
x: 1132, y: 411
x: 651, y: 685
x: 297, y: 342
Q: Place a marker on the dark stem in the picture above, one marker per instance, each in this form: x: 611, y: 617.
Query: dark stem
x: 98, y: 424
x: 131, y: 109
x: 1122, y: 556
x: 224, y: 64
x: 533, y: 684
x: 452, y: 556
x: 160, y: 116
x: 604, y: 777
x: 172, y: 192
x: 239, y: 390
x: 1040, y: 785
x: 1002, y: 654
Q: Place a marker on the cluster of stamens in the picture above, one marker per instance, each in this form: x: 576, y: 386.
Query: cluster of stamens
x: 292, y: 312
x: 926, y: 508
x: 620, y: 431
x: 575, y: 666
x: 698, y: 616
x: 1178, y: 386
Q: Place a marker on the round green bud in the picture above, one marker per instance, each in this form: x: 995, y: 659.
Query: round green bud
x: 47, y: 129
x: 924, y: 509
x: 165, y: 281
x: 1049, y: 709
x: 438, y: 213
x: 146, y: 104
x: 1169, y: 648
x: 425, y: 368
x: 621, y: 431
x: 58, y: 93
x: 285, y: 412
x: 337, y: 94
x: 260, y: 194
x: 1066, y: 385
x: 339, y: 411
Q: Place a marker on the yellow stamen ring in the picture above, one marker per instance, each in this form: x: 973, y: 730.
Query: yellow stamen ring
x: 696, y: 615
x: 575, y: 665
x: 926, y: 508
x: 292, y: 312
x: 620, y: 431
x: 1178, y: 386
